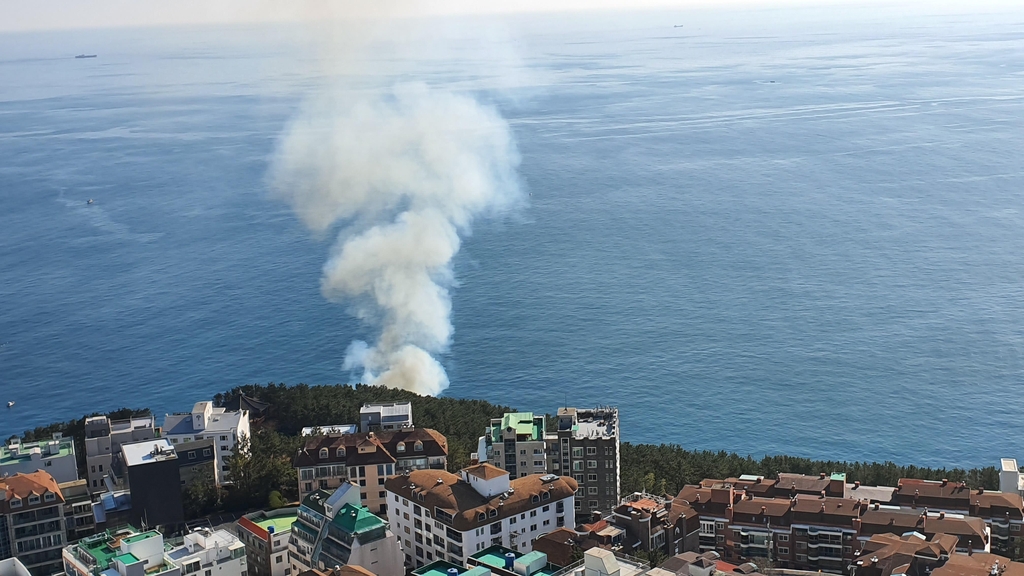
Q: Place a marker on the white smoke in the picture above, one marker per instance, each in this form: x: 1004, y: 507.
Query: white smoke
x: 403, y: 172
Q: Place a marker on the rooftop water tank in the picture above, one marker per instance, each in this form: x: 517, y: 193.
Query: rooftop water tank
x: 510, y: 559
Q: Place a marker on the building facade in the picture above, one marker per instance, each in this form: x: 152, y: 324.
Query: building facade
x: 154, y: 482
x: 444, y: 516
x: 32, y: 526
x: 205, y: 421
x: 518, y: 443
x: 367, y: 459
x: 79, y: 520
x: 266, y: 536
x: 384, y: 416
x: 103, y: 439
x: 55, y: 456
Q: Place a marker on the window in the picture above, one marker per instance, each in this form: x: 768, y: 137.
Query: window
x: 719, y: 526
x: 546, y: 508
x: 719, y: 538
x: 1014, y: 527
x: 207, y: 452
x: 578, y: 465
x: 577, y: 452
x: 33, y: 500
x: 801, y: 545
x: 801, y: 557
x: 16, y: 502
x: 545, y: 496
x: 591, y: 463
x: 49, y: 497
x: 591, y: 450
x: 783, y: 537
x: 592, y: 490
x: 93, y: 469
x: 223, y: 438
x: 591, y: 477
x: 419, y: 446
x: 535, y: 498
x: 191, y: 454
x: 592, y: 504
x: 783, y: 550
x: 512, y: 520
x: 538, y: 463
x: 324, y: 453
x: 492, y: 513
x: 341, y: 452
x: 278, y: 559
x: 547, y: 522
x: 609, y: 463
x: 401, y: 448
x: 522, y: 452
x: 533, y: 527
x: 533, y: 513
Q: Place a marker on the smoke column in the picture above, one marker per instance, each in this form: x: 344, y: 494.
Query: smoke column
x: 402, y: 172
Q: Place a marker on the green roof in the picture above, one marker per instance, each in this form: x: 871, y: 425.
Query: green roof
x: 66, y: 448
x: 356, y: 520
x: 530, y: 557
x: 100, y: 550
x: 126, y: 559
x: 839, y: 476
x: 282, y: 523
x: 494, y: 556
x: 522, y: 423
x: 438, y: 568
x: 476, y: 571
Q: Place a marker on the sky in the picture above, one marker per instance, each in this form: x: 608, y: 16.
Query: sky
x: 24, y: 15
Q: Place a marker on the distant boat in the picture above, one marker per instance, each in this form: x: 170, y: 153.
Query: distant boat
x: 678, y: 26
x: 90, y: 201
x: 11, y: 403
x: 86, y: 56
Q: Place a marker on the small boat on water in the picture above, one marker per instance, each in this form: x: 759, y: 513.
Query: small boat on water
x: 10, y: 404
x: 90, y: 201
x: 86, y: 56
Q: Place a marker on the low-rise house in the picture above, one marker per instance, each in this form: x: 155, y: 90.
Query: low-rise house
x: 383, y: 416
x: 130, y: 552
x: 226, y: 428
x: 368, y: 459
x: 32, y: 526
x: 103, y: 439
x: 55, y: 456
x: 444, y: 516
x: 266, y: 536
x: 645, y: 519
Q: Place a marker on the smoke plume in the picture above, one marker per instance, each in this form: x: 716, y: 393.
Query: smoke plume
x: 402, y: 172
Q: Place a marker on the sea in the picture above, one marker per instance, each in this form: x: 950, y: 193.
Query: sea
x: 781, y: 231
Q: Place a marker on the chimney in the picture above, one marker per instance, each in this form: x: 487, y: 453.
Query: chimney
x: 945, y: 481
x: 942, y: 515
x: 764, y: 509
x: 821, y: 475
x: 981, y: 490
x: 856, y: 484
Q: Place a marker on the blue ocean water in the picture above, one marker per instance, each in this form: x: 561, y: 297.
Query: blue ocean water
x: 792, y: 232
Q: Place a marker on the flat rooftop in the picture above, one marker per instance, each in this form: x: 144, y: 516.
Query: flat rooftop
x: 281, y: 523
x: 65, y: 447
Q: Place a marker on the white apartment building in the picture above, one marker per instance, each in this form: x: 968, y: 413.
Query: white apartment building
x: 380, y: 416
x: 56, y: 457
x: 207, y: 422
x: 443, y: 516
x: 127, y: 552
x: 1011, y: 480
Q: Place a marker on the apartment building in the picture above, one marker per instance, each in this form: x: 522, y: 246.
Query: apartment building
x: 913, y: 554
x: 645, y: 520
x: 205, y: 421
x: 368, y: 459
x: 129, y: 552
x: 32, y: 526
x: 586, y: 446
x: 55, y: 456
x: 79, y: 520
x: 266, y: 536
x: 103, y: 439
x: 196, y: 461
x: 385, y: 416
x: 805, y: 531
x: 444, y: 516
x: 332, y: 529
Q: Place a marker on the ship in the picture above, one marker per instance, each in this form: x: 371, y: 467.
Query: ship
x: 86, y: 56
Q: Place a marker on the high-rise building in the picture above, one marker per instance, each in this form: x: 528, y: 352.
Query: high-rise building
x: 584, y: 445
x: 103, y: 439
x: 32, y: 521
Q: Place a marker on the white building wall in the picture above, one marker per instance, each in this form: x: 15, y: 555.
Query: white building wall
x: 517, y: 533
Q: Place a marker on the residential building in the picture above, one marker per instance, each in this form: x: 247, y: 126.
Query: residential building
x: 103, y: 439
x: 645, y: 520
x: 332, y: 529
x: 586, y: 446
x: 154, y: 483
x: 32, y: 521
x: 205, y: 421
x: 129, y: 552
x: 502, y: 561
x: 442, y: 568
x: 1011, y: 479
x: 805, y: 532
x: 601, y: 562
x: 559, y: 545
x: 367, y: 459
x: 79, y: 519
x: 445, y: 516
x: 315, y: 512
x: 383, y: 416
x: 55, y: 456
x: 516, y: 442
x: 266, y: 535
x: 196, y: 461
x: 13, y: 567
x: 912, y: 554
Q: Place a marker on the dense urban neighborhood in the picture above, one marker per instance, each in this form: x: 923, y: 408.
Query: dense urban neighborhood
x: 276, y: 481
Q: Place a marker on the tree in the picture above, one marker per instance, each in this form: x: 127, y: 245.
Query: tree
x: 201, y: 496
x: 259, y: 466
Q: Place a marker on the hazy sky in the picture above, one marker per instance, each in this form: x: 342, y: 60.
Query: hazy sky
x: 17, y: 15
